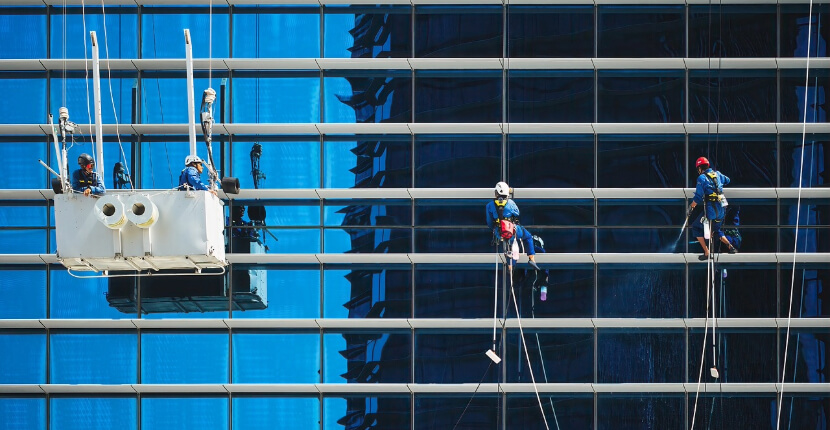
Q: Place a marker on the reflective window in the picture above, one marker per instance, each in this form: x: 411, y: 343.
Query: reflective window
x: 570, y: 291
x: 23, y: 294
x: 75, y: 92
x: 551, y: 161
x: 460, y: 293
x: 741, y: 290
x: 73, y: 297
x: 162, y: 31
x: 748, y: 160
x: 742, y: 355
x: 68, y: 37
x: 355, y: 411
x: 556, y: 356
x: 275, y: 97
x: 23, y: 413
x: 649, y: 161
x: 479, y: 411
x: 284, y: 162
x: 368, y: 292
x: 640, y: 355
x: 442, y: 358
x: 99, y: 358
x: 731, y: 31
x: 295, y: 29
x: 793, y: 94
x: 641, y: 31
x: 369, y: 240
x: 23, y: 241
x: 28, y: 363
x: 28, y: 90
x: 734, y: 410
x: 92, y: 413
x: 164, y: 96
x: 263, y: 413
x: 176, y: 413
x: 458, y: 31
x: 288, y: 293
x: 268, y: 358
x: 792, y: 165
x: 546, y: 31
x: 23, y: 24
x: 640, y: 96
x: 793, y: 27
x: 365, y: 96
x: 732, y: 96
x: 439, y: 161
x: 562, y: 96
x: 358, y: 357
x: 568, y: 410
x: 807, y: 285
x: 184, y: 358
x: 458, y: 96
x: 640, y: 411
x: 367, y: 161
x: 386, y: 212
x: 368, y: 32
x: 645, y: 291
x: 26, y: 175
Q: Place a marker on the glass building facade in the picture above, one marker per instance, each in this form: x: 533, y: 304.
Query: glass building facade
x: 383, y: 129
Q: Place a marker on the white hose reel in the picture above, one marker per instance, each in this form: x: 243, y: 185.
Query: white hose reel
x: 110, y: 212
x: 141, y: 211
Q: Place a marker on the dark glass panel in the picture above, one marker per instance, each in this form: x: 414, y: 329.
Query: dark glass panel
x: 381, y: 31
x: 458, y: 96
x: 263, y: 413
x: 382, y: 412
x: 290, y: 292
x: 367, y: 240
x: 184, y: 358
x: 23, y: 413
x: 442, y: 358
x: 564, y: 410
x: 25, y: 175
x: 276, y: 358
x: 732, y: 96
x: 556, y: 356
x: 548, y: 31
x: 27, y: 365
x: 808, y: 238
x: 748, y: 160
x: 367, y: 96
x: 462, y: 411
x: 630, y: 212
x: 805, y: 410
x: 276, y: 97
x: 639, y: 355
x: 117, y: 40
x: 449, y: 212
x: 566, y: 239
x: 369, y: 291
x: 728, y: 411
x: 28, y: 90
x: 443, y: 161
x: 810, y: 285
x: 743, y: 355
x: 641, y: 31
x: 794, y: 34
x: 359, y: 357
x: 93, y: 358
x: 474, y: 31
x: 448, y: 240
x: 636, y: 240
x: 640, y: 96
x: 176, y: 413
x: 641, y: 161
x: 816, y: 155
x: 746, y: 291
x: 23, y: 294
x: 24, y: 30
x: 810, y: 212
x: 268, y: 31
x: 806, y: 358
x: 367, y: 161
x: 636, y: 411
x: 570, y: 291
x: 463, y: 292
x: 793, y: 83
x: 641, y: 291
x: 719, y: 30
x: 564, y: 212
x: 554, y: 161
x: 564, y: 96
x: 162, y: 31
x: 386, y: 212
x: 93, y: 413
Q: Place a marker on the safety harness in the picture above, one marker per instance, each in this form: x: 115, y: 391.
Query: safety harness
x: 507, y: 226
x: 717, y: 194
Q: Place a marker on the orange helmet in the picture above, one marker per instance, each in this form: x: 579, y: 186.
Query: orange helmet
x: 702, y: 161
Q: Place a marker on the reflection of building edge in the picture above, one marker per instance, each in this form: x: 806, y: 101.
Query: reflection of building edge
x: 376, y: 293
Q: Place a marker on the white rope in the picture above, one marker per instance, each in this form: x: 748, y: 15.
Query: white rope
x: 495, y: 298
x: 86, y: 69
x: 705, y: 334
x: 797, y: 216
x: 542, y: 360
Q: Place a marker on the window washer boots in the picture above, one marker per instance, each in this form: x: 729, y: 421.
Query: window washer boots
x: 532, y: 263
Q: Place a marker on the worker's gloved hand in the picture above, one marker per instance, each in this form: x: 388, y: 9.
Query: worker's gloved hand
x: 689, y: 213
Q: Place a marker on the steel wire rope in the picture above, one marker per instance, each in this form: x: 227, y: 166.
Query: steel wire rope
x: 86, y: 70
x: 541, y: 357
x: 161, y: 112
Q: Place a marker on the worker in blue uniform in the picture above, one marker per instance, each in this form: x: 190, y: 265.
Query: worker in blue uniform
x: 503, y: 208
x: 191, y: 176
x: 709, y: 193
x: 85, y: 180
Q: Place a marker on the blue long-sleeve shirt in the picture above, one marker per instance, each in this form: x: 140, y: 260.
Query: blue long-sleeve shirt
x: 510, y: 210
x: 190, y: 178
x: 714, y: 210
x: 81, y: 181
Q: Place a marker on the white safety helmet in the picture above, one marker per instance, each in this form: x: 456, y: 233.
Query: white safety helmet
x: 502, y: 189
x: 190, y: 159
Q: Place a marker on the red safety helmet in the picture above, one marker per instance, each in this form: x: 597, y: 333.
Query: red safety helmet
x: 702, y: 161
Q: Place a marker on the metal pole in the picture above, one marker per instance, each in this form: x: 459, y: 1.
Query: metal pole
x: 191, y: 109
x: 99, y: 127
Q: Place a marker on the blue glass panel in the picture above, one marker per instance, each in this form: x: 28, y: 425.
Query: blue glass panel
x: 808, y: 238
x: 28, y: 363
x: 642, y: 291
x: 26, y: 175
x: 23, y: 294
x: 732, y: 96
x: 805, y: 355
x: 24, y: 28
x: 464, y: 411
x: 368, y: 240
x: 368, y: 31
x: 566, y: 96
x: 164, y: 96
x: 468, y: 96
x: 162, y: 30
x: 163, y: 413
x: 556, y: 356
x: 184, y: 358
x: 294, y: 241
x: 393, y: 412
x: 453, y: 358
x: 289, y: 97
x: 28, y: 90
x: 459, y: 31
x: 442, y: 161
x: 743, y: 355
x: 368, y: 162
x: 384, y: 96
x: 636, y: 411
x: 23, y: 413
x: 77, y: 94
x: 727, y: 411
x: 729, y: 31
x: 93, y: 358
x: 162, y: 162
x: 547, y: 31
x: 117, y: 40
x: 566, y: 410
x: 72, y: 297
x: 368, y: 292
x: 814, y: 146
x: 388, y: 212
x: 291, y: 294
x: 28, y: 214
x: 808, y: 213
x: 25, y: 241
x: 292, y: 358
x: 648, y: 161
x: 793, y: 27
x: 93, y: 413
x: 281, y: 412
x: 747, y: 291
x: 537, y: 161
x: 367, y: 357
x: 648, y: 356
x: 641, y: 96
x: 641, y: 31
x: 795, y: 87
x: 748, y: 160
x: 808, y: 286
x: 293, y: 163
x: 276, y: 32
